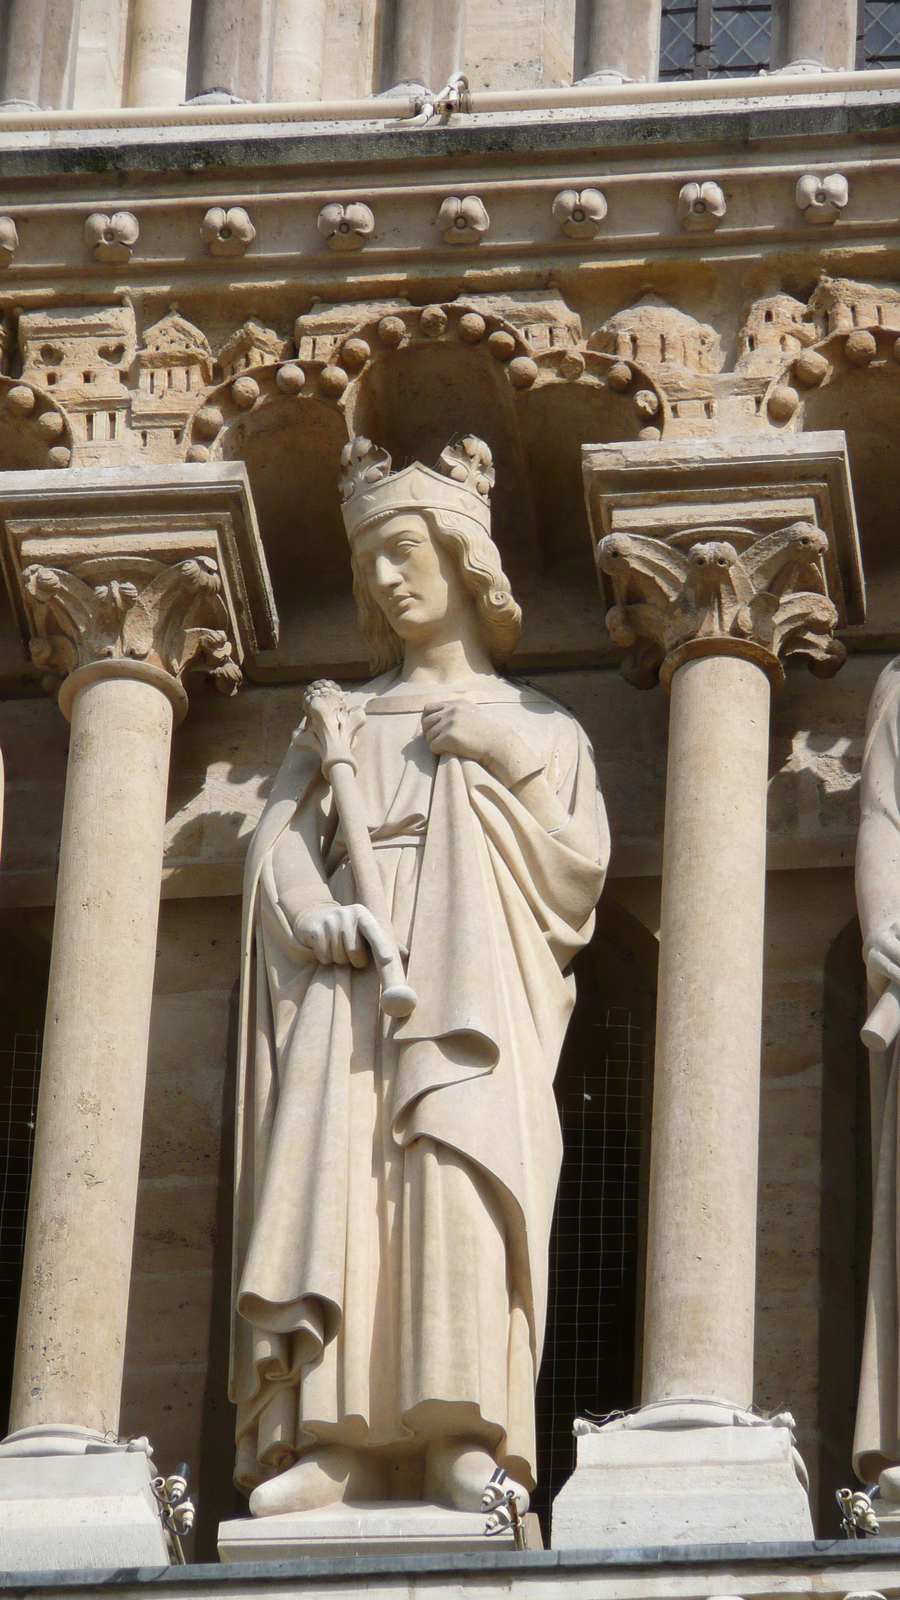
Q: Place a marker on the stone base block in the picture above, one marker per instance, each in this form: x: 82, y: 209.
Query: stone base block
x: 695, y: 1485
x: 390, y: 1528
x: 63, y: 1512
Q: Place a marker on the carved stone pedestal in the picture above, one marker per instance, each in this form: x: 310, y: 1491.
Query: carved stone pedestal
x: 62, y: 1512
x: 697, y: 1475
x: 390, y: 1529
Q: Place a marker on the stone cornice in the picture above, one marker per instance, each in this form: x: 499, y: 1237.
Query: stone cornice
x: 282, y: 175
x: 795, y: 118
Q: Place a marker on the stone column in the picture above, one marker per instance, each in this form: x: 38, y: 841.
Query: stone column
x: 701, y: 1246
x: 156, y: 576
x: 74, y: 1301
x: 621, y: 41
x: 236, y: 49
x: 131, y: 645
x: 821, y: 36
x: 723, y: 559
x: 41, y: 45
x: 299, y: 54
x: 159, y: 52
x: 428, y: 42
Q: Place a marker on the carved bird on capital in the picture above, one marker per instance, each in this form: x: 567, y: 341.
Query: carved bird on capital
x: 772, y: 592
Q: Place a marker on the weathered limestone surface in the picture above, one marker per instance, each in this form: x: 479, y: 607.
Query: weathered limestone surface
x: 225, y: 757
x: 176, y: 1357
x: 197, y: 971
x: 87, y: 1141
x: 807, y: 1277
x: 716, y: 329
x: 698, y: 1327
x: 721, y: 559
x: 79, y: 1511
x: 681, y: 1486
x: 404, y: 1404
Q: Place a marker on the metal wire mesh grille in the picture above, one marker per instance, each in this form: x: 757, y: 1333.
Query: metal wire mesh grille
x: 881, y: 33
x: 19, y: 1074
x: 705, y: 39
x: 589, y: 1350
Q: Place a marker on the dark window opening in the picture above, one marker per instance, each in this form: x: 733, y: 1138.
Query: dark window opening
x: 24, y: 968
x: 846, y: 1213
x: 709, y: 39
x: 591, y: 1362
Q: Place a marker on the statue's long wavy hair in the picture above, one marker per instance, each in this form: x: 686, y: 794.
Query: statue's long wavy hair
x: 479, y: 563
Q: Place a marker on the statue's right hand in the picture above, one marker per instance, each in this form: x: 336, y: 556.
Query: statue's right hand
x: 335, y: 934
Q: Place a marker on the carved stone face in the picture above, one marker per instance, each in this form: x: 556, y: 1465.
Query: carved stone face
x: 412, y: 578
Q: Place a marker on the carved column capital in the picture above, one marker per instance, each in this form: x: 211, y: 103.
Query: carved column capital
x: 725, y: 591
x: 129, y: 574
x: 731, y: 546
x: 165, y: 616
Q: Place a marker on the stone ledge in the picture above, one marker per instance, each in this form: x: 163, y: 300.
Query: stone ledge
x: 690, y: 1572
x: 536, y: 134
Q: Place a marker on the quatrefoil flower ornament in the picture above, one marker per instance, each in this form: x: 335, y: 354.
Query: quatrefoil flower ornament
x: 112, y: 239
x: 580, y: 214
x: 701, y: 206
x: 227, y: 233
x: 9, y: 240
x: 822, y: 199
x: 462, y: 221
x: 346, y: 227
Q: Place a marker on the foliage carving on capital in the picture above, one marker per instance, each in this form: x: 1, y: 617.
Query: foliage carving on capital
x: 763, y: 594
x: 172, y: 617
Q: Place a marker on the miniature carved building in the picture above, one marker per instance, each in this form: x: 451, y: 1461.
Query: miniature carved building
x: 645, y: 252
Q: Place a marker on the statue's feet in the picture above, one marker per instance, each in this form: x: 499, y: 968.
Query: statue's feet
x: 457, y: 1472
x: 321, y: 1478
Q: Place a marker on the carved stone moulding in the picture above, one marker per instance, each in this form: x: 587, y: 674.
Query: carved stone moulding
x: 154, y: 570
x: 532, y: 338
x: 738, y: 546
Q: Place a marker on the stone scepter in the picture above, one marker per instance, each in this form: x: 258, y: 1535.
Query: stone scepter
x: 882, y: 1025
x: 329, y: 729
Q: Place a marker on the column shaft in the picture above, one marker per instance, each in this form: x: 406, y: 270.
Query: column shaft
x: 236, y: 52
x: 71, y: 1338
x: 299, y: 57
x: 41, y: 43
x: 622, y: 37
x: 159, y: 51
x: 823, y: 31
x: 701, y: 1249
x: 429, y: 41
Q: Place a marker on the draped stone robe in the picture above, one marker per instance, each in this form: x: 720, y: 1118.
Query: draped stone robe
x: 877, y: 1441
x: 396, y: 1177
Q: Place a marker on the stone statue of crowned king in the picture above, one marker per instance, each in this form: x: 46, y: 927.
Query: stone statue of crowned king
x: 397, y: 1173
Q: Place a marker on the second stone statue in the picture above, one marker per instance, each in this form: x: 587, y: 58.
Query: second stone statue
x: 397, y: 1174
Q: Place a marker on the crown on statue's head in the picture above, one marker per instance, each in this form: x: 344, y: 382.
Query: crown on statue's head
x: 370, y: 491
